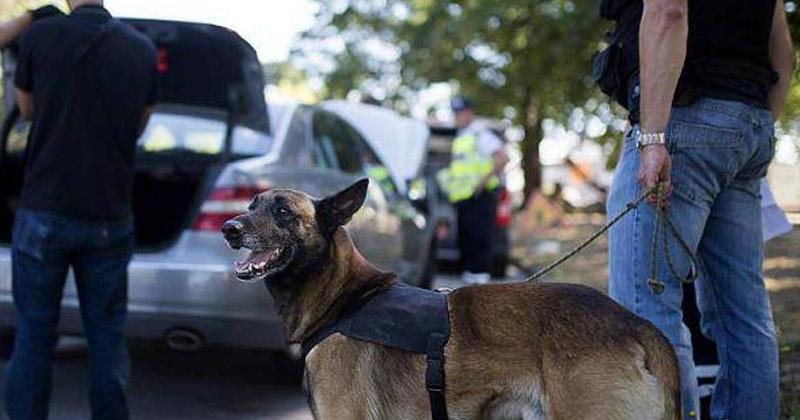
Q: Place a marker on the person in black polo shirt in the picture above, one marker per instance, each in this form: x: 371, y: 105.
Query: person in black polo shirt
x: 87, y: 82
x: 704, y: 80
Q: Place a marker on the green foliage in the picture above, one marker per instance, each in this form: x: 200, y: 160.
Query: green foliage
x: 526, y: 60
x: 792, y: 111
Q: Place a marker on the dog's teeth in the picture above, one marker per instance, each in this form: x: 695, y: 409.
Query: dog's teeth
x: 261, y: 266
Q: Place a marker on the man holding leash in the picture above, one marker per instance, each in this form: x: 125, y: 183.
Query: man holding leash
x: 472, y: 182
x: 87, y: 81
x: 703, y: 81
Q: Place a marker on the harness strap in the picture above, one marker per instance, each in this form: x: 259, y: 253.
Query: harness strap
x: 434, y: 376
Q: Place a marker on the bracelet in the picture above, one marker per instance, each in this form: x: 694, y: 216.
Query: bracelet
x: 651, y: 139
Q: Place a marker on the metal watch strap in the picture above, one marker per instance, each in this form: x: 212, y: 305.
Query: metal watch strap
x: 650, y: 139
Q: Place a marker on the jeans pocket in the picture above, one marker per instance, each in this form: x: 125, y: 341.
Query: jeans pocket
x: 32, y: 235
x: 687, y: 135
x: 704, y: 158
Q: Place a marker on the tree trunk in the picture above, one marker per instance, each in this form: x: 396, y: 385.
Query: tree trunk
x: 533, y: 133
x: 531, y: 164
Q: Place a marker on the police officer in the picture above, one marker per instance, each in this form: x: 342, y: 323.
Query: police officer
x: 703, y: 80
x: 471, y: 183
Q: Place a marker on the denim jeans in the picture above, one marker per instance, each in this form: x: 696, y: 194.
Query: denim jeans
x: 45, y: 246
x: 720, y: 152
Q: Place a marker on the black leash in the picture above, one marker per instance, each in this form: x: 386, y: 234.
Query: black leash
x: 662, y: 222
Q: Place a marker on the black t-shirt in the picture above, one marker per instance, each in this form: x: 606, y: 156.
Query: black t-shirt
x: 727, y: 53
x: 87, y: 113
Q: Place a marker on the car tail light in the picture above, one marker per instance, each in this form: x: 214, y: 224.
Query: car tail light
x: 223, y: 204
x: 505, y: 208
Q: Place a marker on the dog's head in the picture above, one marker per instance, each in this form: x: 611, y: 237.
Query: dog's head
x: 288, y: 232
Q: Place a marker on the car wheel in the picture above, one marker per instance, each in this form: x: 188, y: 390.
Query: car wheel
x: 6, y: 344
x: 430, y: 269
x: 499, y: 265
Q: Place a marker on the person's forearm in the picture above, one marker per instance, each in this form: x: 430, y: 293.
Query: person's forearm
x: 11, y: 29
x: 662, y: 48
x: 782, y: 59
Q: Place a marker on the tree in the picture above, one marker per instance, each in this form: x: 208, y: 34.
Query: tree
x: 525, y: 60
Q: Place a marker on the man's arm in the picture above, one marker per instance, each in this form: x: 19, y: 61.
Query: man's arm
x: 663, y: 37
x: 25, y: 103
x: 11, y: 29
x: 499, y: 158
x: 782, y: 59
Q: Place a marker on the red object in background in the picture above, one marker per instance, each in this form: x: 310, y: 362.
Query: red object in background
x: 505, y: 209
x: 162, y: 63
x: 223, y: 204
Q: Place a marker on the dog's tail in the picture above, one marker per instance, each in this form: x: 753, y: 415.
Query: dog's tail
x: 660, y: 360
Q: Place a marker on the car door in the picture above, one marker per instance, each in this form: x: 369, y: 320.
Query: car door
x: 375, y: 229
x: 414, y: 232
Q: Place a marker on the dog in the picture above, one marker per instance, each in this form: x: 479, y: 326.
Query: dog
x: 527, y: 350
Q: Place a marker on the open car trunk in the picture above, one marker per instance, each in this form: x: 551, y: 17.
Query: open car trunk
x: 211, y: 111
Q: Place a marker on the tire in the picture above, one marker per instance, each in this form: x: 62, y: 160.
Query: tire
x: 431, y: 268
x: 6, y: 344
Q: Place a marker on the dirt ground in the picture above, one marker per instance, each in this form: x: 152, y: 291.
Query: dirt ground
x: 782, y: 268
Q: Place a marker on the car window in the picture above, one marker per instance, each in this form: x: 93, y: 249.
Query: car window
x: 175, y: 133
x: 294, y: 151
x: 333, y: 148
x: 372, y: 165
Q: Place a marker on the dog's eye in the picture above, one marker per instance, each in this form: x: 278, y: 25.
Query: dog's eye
x: 282, y: 211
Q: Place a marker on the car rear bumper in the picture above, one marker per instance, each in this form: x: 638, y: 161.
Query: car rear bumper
x: 191, y: 287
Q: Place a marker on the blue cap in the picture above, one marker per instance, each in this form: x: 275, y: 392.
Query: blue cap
x: 461, y: 104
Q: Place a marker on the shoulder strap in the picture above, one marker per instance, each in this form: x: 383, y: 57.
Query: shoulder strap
x: 105, y: 31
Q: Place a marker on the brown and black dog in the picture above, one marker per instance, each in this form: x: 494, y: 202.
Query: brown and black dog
x: 530, y: 351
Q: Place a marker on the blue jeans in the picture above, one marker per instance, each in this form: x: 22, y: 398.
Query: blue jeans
x: 720, y: 152
x: 45, y: 246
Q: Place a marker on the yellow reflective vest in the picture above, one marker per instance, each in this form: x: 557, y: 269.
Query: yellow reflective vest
x: 467, y: 168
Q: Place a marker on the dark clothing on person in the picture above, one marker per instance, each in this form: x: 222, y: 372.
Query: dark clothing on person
x: 88, y: 111
x: 475, y: 228
x: 91, y: 78
x: 720, y: 63
x: 46, y: 245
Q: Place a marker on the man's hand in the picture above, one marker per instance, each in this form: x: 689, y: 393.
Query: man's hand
x: 655, y: 166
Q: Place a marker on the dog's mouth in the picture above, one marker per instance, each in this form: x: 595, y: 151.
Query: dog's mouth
x: 260, y: 265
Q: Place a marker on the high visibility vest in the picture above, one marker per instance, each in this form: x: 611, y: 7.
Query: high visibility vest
x: 467, y: 168
x: 382, y: 176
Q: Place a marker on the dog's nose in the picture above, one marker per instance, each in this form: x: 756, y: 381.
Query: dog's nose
x: 232, y: 229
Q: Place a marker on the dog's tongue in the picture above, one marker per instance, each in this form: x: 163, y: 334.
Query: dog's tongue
x: 258, y: 259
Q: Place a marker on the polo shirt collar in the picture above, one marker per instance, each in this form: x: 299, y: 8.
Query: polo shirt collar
x: 91, y: 9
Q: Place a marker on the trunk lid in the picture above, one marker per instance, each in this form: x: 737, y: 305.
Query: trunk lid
x: 211, y: 111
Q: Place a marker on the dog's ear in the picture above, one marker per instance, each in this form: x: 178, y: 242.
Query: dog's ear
x: 338, y: 209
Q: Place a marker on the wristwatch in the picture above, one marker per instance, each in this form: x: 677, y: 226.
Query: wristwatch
x: 650, y: 139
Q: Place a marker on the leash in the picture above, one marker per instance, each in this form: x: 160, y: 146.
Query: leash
x: 662, y: 225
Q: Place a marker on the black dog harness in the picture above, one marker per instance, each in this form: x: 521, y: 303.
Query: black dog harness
x: 400, y: 317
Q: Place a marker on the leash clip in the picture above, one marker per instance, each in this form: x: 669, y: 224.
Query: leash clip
x: 656, y: 285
